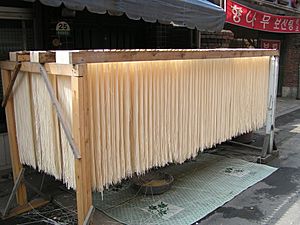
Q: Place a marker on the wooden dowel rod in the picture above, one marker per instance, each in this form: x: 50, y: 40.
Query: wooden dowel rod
x: 13, y: 143
x: 89, y: 216
x: 59, y: 112
x: 14, y: 190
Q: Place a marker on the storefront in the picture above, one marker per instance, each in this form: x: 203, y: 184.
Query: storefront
x: 16, y: 33
x: 255, y: 28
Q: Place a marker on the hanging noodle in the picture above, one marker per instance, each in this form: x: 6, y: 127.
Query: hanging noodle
x: 175, y: 108
x: 142, y: 114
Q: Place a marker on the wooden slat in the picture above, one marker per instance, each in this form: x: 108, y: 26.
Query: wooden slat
x: 81, y: 137
x: 11, y: 127
x: 51, y: 68
x: 78, y: 57
x: 53, y: 79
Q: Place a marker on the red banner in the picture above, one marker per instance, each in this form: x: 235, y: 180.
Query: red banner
x: 243, y: 16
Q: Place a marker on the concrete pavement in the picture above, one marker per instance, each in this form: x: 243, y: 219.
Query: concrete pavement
x: 275, y: 200
x: 291, y: 216
x: 286, y: 105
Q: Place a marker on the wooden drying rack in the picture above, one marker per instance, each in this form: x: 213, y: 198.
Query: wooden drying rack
x: 73, y: 64
x: 43, y: 63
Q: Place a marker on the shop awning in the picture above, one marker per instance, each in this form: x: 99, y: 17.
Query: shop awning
x: 200, y: 14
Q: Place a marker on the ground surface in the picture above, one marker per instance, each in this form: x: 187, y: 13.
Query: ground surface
x: 275, y: 200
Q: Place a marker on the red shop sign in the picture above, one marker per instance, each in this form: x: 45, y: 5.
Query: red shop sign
x: 270, y: 44
x: 243, y: 16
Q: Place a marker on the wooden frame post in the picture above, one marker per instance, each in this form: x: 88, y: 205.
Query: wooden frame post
x: 12, y: 136
x: 81, y: 137
x: 9, y: 76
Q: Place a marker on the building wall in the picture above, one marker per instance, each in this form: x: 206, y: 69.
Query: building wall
x: 216, y: 40
x: 291, y: 64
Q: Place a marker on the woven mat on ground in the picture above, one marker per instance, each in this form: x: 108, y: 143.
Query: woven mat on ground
x: 201, y: 186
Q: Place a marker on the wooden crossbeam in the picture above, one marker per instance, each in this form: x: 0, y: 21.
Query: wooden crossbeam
x: 98, y: 56
x: 11, y: 84
x: 33, y: 67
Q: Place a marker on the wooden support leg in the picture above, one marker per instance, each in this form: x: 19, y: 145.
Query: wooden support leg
x: 18, y: 171
x: 11, y: 127
x: 82, y: 166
